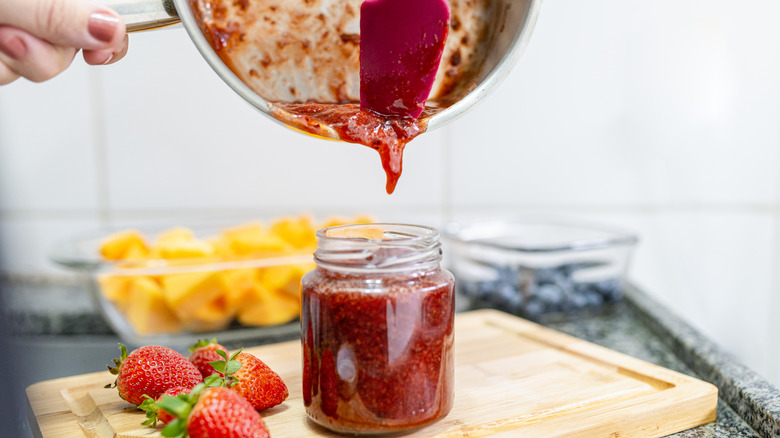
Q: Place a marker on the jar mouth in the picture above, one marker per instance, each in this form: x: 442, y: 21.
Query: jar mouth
x: 360, y: 248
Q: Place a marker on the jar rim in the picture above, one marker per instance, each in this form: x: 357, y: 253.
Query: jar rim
x: 432, y: 233
x: 403, y: 247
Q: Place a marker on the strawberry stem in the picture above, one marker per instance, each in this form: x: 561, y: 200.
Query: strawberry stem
x: 203, y: 343
x: 227, y: 367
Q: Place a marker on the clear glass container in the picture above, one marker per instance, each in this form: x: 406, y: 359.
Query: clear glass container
x: 377, y: 329
x: 533, y: 266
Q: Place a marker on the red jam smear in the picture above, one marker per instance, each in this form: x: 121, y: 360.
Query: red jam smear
x: 385, y: 134
x: 377, y: 360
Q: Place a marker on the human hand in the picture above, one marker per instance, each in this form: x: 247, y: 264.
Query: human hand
x: 40, y: 38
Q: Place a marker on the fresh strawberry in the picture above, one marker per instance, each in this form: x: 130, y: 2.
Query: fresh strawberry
x: 150, y: 371
x: 212, y: 412
x: 203, y: 352
x: 252, y: 379
x: 154, y: 413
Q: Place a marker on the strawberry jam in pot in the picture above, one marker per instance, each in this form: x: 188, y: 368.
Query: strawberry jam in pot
x: 377, y: 325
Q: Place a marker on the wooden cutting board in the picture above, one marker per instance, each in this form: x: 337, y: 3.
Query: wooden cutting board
x: 513, y: 378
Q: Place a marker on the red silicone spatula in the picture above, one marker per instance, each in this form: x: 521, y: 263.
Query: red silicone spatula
x: 401, y: 43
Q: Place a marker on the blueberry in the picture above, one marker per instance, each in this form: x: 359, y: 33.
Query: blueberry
x: 550, y: 294
x: 534, y: 307
x: 594, y: 299
x: 578, y: 301
x: 469, y: 288
x: 509, y: 297
x: 548, y: 275
x: 610, y: 289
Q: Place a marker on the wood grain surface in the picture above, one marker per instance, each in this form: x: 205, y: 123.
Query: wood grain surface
x: 512, y: 377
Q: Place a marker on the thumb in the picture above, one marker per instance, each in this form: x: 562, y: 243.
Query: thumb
x: 82, y: 24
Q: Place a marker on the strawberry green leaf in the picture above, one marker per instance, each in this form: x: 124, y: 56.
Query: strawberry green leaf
x: 203, y: 343
x: 150, y: 406
x: 175, y: 429
x: 117, y: 362
x: 219, y: 366
x: 213, y: 380
x: 233, y: 366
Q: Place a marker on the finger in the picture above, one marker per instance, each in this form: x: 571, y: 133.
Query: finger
x: 75, y: 23
x: 6, y: 74
x: 32, y: 57
x: 106, y: 56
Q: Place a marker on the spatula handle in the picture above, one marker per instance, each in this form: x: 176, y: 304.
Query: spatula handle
x: 144, y: 14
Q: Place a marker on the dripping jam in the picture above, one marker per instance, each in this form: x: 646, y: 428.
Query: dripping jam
x: 385, y: 134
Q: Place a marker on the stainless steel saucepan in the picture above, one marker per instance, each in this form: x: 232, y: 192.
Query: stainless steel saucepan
x: 299, y: 51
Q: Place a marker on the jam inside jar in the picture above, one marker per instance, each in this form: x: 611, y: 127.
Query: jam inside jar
x: 377, y: 329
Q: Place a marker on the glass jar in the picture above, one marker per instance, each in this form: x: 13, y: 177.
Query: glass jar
x: 377, y: 329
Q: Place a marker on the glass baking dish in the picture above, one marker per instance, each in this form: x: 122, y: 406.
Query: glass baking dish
x: 178, y: 301
x: 536, y: 266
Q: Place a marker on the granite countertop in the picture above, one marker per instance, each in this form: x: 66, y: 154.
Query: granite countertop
x: 637, y: 325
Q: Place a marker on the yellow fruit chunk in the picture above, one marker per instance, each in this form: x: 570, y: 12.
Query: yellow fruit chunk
x: 364, y: 219
x: 185, y: 249
x: 285, y: 278
x: 187, y: 293
x: 148, y: 311
x: 215, y: 315
x: 123, y: 245
x: 180, y: 243
x: 363, y: 232
x: 241, y: 285
x: 221, y: 247
x: 334, y: 221
x: 269, y: 308
x: 298, y: 232
x: 254, y: 239
x: 116, y: 288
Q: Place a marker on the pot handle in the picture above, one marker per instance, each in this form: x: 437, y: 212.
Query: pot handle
x: 141, y: 15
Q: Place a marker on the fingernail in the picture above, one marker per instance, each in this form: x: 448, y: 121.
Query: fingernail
x: 14, y: 47
x: 102, y: 26
x: 110, y: 57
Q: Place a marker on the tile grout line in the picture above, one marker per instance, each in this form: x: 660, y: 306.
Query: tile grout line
x: 99, y: 146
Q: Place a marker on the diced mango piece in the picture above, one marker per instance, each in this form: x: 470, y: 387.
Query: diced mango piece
x: 241, y: 285
x: 221, y: 247
x: 276, y: 277
x: 184, y: 249
x: 333, y: 221
x: 270, y: 308
x: 293, y: 287
x: 116, y: 288
x: 215, y: 315
x: 148, y: 311
x: 174, y: 234
x: 285, y: 278
x: 188, y: 292
x: 180, y: 243
x: 297, y: 231
x: 254, y: 239
x: 119, y: 246
x: 364, y: 219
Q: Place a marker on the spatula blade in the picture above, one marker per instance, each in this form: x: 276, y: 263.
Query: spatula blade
x: 401, y: 44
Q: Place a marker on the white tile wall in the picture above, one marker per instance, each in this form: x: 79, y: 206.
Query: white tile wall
x: 47, y: 144
x: 662, y: 117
